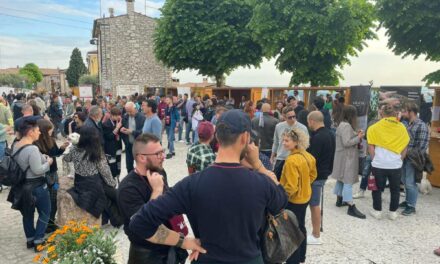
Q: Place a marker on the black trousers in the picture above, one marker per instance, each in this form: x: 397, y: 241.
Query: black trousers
x: 129, y: 160
x: 138, y: 255
x: 381, y: 176
x: 299, y: 210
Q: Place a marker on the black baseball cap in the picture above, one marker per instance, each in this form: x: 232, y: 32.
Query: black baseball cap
x: 236, y: 120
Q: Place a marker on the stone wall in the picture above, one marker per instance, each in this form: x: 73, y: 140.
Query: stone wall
x: 128, y: 55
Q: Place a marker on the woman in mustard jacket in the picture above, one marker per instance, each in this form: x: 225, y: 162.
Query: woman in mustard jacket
x: 298, y: 174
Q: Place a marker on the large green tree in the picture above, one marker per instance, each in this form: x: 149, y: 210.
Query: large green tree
x: 32, y: 73
x: 312, y: 39
x: 210, y: 36
x: 76, y: 69
x: 13, y: 80
x: 89, y: 80
x: 413, y: 28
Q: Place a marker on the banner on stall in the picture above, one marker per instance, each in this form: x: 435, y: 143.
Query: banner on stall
x: 360, y: 97
x: 403, y: 93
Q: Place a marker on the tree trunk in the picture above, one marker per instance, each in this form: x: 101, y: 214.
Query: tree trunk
x: 220, y: 80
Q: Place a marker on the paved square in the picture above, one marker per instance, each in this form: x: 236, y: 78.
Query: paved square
x: 346, y: 239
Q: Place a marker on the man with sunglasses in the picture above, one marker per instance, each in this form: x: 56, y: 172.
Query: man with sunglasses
x: 279, y: 153
x: 146, y: 182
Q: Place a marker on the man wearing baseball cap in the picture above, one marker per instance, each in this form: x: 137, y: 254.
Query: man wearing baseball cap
x: 226, y: 203
x: 200, y: 156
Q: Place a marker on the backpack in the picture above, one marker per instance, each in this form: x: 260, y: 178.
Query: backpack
x: 11, y: 174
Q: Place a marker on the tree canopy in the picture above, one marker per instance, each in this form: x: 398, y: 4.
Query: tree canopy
x: 32, y: 74
x: 89, y: 80
x: 312, y: 39
x: 413, y: 29
x: 210, y: 36
x: 76, y: 69
x: 13, y: 80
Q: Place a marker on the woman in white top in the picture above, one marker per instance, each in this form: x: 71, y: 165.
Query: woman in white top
x: 387, y: 142
x: 197, y: 117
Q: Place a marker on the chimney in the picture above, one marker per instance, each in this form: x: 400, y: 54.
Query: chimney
x: 111, y: 11
x: 130, y: 6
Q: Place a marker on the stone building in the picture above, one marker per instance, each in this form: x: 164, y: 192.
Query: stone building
x: 125, y: 53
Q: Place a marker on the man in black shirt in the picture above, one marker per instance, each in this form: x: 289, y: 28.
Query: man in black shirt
x: 322, y: 147
x: 226, y: 203
x: 136, y: 190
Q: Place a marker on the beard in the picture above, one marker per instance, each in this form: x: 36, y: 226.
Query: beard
x: 154, y: 168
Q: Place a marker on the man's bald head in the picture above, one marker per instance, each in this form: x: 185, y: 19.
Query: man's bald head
x: 316, y: 116
x: 265, y: 108
x: 315, y: 120
x: 130, y: 108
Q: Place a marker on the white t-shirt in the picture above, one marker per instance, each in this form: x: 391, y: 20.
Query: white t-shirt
x: 385, y: 159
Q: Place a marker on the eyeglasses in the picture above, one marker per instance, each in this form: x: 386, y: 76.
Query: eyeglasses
x: 291, y: 117
x: 158, y: 154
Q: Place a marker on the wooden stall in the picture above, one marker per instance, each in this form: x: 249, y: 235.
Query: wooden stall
x: 434, y: 142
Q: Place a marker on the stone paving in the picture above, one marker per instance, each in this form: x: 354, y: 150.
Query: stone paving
x: 346, y: 239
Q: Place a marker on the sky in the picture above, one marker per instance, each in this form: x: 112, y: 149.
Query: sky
x: 46, y: 31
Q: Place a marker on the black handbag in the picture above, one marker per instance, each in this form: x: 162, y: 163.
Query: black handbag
x: 282, y: 237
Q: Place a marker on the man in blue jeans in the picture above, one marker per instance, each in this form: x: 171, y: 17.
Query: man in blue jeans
x: 419, y: 134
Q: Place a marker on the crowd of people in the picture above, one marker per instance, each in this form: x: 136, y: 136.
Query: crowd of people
x: 245, y: 160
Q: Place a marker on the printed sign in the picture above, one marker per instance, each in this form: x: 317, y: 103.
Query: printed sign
x: 86, y: 92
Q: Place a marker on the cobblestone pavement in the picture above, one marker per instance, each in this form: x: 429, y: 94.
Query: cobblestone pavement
x: 346, y: 239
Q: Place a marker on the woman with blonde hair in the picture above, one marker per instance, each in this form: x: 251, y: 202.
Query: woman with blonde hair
x: 346, y: 161
x: 298, y: 174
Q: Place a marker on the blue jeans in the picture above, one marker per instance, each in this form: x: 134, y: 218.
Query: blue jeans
x: 42, y: 203
x: 344, y: 190
x: 2, y: 149
x: 188, y: 131
x: 181, y: 123
x: 409, y: 180
x: 170, y: 137
x: 195, y: 137
x: 366, y: 172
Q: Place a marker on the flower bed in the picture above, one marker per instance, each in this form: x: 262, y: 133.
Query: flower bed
x: 80, y: 244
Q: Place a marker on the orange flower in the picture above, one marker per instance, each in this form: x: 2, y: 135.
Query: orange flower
x: 71, y: 223
x: 83, y: 236
x: 37, y: 258
x: 45, y: 261
x: 54, y: 256
x: 79, y: 241
x: 40, y: 248
x: 51, y: 249
x: 52, y: 237
x: 86, y: 229
x: 64, y: 230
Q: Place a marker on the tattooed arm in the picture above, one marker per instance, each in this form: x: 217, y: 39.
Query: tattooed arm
x: 164, y: 236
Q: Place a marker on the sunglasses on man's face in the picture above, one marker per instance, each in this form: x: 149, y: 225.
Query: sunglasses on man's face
x: 291, y: 117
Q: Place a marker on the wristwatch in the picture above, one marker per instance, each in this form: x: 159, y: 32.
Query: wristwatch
x: 180, y: 242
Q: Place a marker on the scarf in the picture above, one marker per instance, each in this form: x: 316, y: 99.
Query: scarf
x: 261, y: 121
x: 389, y: 134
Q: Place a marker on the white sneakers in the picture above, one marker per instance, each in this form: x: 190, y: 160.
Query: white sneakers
x: 359, y: 194
x: 376, y: 214
x: 392, y: 215
x: 312, y: 240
